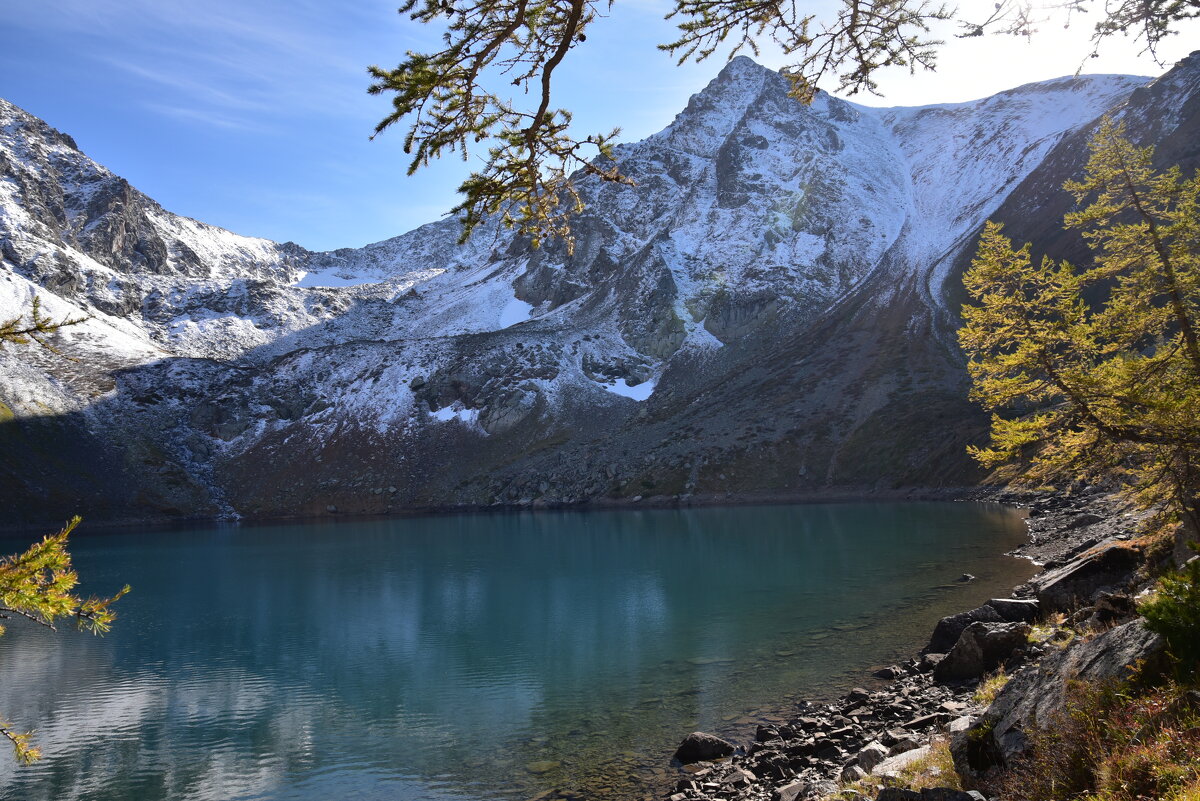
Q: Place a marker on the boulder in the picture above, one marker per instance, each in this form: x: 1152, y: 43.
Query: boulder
x: 702, y: 747
x: 982, y: 647
x: 1110, y: 565
x: 902, y: 744
x: 927, y: 794
x: 872, y: 755
x: 822, y: 788
x: 945, y: 794
x: 894, y: 764
x: 1015, y: 610
x: 897, y: 794
x: 765, y: 734
x: 960, y: 724
x: 1109, y: 608
x: 852, y: 773
x: 930, y: 661
x: 791, y: 792
x: 1037, y: 694
x: 949, y: 629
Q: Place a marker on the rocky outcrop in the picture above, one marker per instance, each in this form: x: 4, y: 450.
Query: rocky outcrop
x: 1039, y: 693
x: 1110, y: 565
x: 998, y: 610
x: 1016, y: 610
x: 981, y: 647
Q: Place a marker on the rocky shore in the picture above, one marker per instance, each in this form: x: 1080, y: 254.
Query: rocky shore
x: 964, y: 705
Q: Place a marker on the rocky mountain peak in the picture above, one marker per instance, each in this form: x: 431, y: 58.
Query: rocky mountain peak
x: 769, y: 308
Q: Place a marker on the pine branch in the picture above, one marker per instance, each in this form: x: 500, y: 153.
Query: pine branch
x: 40, y: 326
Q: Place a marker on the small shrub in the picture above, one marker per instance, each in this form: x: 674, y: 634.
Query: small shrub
x: 990, y: 687
x: 935, y: 769
x: 1113, y: 744
x: 1174, y: 612
x: 1189, y: 793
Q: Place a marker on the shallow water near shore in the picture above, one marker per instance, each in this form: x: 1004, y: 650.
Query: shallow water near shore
x: 468, y: 657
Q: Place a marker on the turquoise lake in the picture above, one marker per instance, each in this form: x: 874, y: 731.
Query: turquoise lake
x: 469, y: 657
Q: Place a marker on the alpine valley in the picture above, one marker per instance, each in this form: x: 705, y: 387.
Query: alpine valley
x: 769, y: 313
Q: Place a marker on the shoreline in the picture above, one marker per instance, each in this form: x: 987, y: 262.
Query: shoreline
x: 829, y: 495
x: 1061, y: 527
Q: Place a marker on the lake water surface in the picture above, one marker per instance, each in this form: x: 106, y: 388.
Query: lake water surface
x: 471, y: 657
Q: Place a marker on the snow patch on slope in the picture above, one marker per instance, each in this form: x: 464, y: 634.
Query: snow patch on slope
x: 515, y: 311
x: 638, y: 392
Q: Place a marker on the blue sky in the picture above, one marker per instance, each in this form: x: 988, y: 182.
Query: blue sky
x: 253, y: 114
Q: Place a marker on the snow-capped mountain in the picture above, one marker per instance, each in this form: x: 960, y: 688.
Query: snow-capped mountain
x: 770, y: 310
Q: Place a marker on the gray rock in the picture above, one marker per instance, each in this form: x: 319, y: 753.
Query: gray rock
x: 902, y: 744
x: 930, y: 661
x: 960, y: 724
x: 897, y: 794
x: 944, y: 794
x: 1183, y: 551
x: 1015, y: 610
x: 823, y: 788
x: 852, y: 773
x: 949, y: 629
x: 894, y: 764
x: 702, y: 747
x: 1109, y: 565
x: 982, y: 647
x: 872, y: 755
x: 1037, y: 694
x: 791, y: 792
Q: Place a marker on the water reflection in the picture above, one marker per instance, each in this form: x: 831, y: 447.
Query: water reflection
x: 473, y: 656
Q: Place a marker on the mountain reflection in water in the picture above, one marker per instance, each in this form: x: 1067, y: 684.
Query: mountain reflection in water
x: 472, y: 656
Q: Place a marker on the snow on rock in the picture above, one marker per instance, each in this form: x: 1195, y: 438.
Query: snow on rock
x: 515, y: 311
x: 638, y: 392
x: 964, y: 158
x: 455, y: 411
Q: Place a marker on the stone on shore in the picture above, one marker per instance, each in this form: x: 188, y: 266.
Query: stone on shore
x: 1016, y: 610
x: 702, y: 747
x: 894, y: 764
x: 872, y: 755
x: 1110, y: 565
x: 950, y: 628
x: 791, y: 792
x: 982, y: 647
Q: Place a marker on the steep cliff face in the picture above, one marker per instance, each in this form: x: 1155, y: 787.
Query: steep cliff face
x: 770, y: 310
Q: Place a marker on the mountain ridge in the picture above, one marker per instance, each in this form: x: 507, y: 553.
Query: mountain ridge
x: 747, y: 318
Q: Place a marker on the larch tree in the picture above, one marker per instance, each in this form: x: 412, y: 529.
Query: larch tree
x: 1095, y: 370
x: 38, y: 586
x: 490, y: 84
